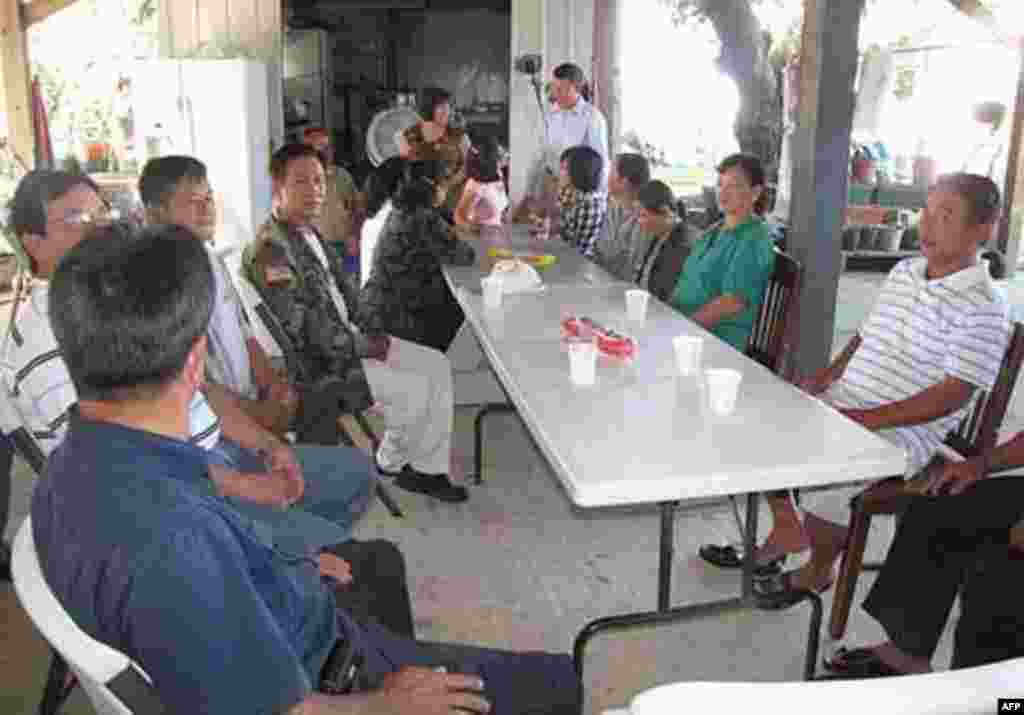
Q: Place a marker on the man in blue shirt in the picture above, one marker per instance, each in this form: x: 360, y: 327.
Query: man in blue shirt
x: 173, y: 577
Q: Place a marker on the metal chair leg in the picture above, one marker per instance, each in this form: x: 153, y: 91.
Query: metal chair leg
x: 60, y: 682
x: 739, y: 521
x: 382, y: 492
x: 813, y: 636
x: 389, y: 501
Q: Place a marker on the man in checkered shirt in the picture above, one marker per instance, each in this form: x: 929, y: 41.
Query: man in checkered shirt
x: 581, y: 200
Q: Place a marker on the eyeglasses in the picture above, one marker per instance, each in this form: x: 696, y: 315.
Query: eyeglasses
x: 201, y: 199
x: 80, y: 218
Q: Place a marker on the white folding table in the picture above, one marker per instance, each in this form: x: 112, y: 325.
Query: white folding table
x: 643, y: 434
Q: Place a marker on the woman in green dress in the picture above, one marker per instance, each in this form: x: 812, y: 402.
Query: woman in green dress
x: 724, y: 278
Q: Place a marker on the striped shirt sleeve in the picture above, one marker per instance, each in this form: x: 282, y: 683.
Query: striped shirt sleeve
x: 977, y: 343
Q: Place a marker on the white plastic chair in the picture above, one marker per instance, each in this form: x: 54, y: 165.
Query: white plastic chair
x: 251, y: 300
x: 57, y: 687
x: 114, y: 684
x: 968, y: 691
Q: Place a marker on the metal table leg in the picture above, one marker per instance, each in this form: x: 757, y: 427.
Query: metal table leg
x: 665, y: 614
x: 478, y: 434
x: 59, y: 684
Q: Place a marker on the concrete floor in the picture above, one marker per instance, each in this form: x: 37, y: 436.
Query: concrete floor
x: 519, y: 567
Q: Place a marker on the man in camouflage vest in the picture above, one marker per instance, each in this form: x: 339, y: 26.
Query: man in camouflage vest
x: 327, y: 354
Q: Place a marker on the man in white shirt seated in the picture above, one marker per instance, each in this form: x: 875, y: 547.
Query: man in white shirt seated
x: 297, y: 500
x: 176, y: 190
x: 934, y: 340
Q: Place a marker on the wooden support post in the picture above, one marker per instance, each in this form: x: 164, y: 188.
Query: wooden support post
x: 1013, y: 193
x: 15, y: 85
x: 821, y: 160
x: 607, y: 62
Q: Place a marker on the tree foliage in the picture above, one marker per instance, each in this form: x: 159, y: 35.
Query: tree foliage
x: 745, y: 56
x: 753, y: 56
x: 684, y: 11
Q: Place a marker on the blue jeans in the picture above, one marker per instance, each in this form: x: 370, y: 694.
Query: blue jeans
x: 340, y: 485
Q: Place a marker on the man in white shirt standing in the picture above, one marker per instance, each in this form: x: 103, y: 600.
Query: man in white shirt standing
x: 572, y: 121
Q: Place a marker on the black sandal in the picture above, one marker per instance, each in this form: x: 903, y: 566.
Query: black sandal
x: 778, y: 593
x: 853, y: 663
x: 728, y: 557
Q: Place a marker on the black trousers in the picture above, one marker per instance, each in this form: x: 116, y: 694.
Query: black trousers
x: 533, y: 683
x: 523, y: 683
x: 944, y: 545
x: 379, y: 590
x: 991, y: 626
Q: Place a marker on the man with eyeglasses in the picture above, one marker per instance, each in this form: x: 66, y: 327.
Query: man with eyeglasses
x: 51, y: 213
x: 64, y: 207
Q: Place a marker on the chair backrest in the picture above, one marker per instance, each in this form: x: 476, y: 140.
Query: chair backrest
x: 777, y: 326
x: 260, y: 319
x: 368, y: 236
x: 12, y: 425
x: 979, y: 431
x: 968, y: 691
x: 114, y: 684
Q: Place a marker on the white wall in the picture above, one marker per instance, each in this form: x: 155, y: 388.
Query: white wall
x: 562, y: 31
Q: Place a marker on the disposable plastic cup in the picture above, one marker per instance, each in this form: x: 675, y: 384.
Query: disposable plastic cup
x: 723, y: 388
x: 582, y: 362
x: 688, y: 353
x: 636, y: 304
x: 492, y: 292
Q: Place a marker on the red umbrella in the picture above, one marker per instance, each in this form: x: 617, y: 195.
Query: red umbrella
x: 41, y: 127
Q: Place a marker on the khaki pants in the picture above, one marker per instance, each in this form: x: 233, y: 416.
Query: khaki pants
x: 413, y: 390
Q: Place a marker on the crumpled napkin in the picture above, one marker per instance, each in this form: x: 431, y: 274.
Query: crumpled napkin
x: 516, y: 276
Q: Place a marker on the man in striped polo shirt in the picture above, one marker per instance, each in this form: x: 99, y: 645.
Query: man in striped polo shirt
x: 259, y: 473
x: 934, y: 340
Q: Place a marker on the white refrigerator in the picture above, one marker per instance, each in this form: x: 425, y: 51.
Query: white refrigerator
x: 226, y: 113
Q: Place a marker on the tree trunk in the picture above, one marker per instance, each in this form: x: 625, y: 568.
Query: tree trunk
x: 744, y: 58
x: 976, y: 10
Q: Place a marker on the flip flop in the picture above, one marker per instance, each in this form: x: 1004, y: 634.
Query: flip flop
x: 778, y: 594
x: 857, y: 663
x: 728, y: 557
